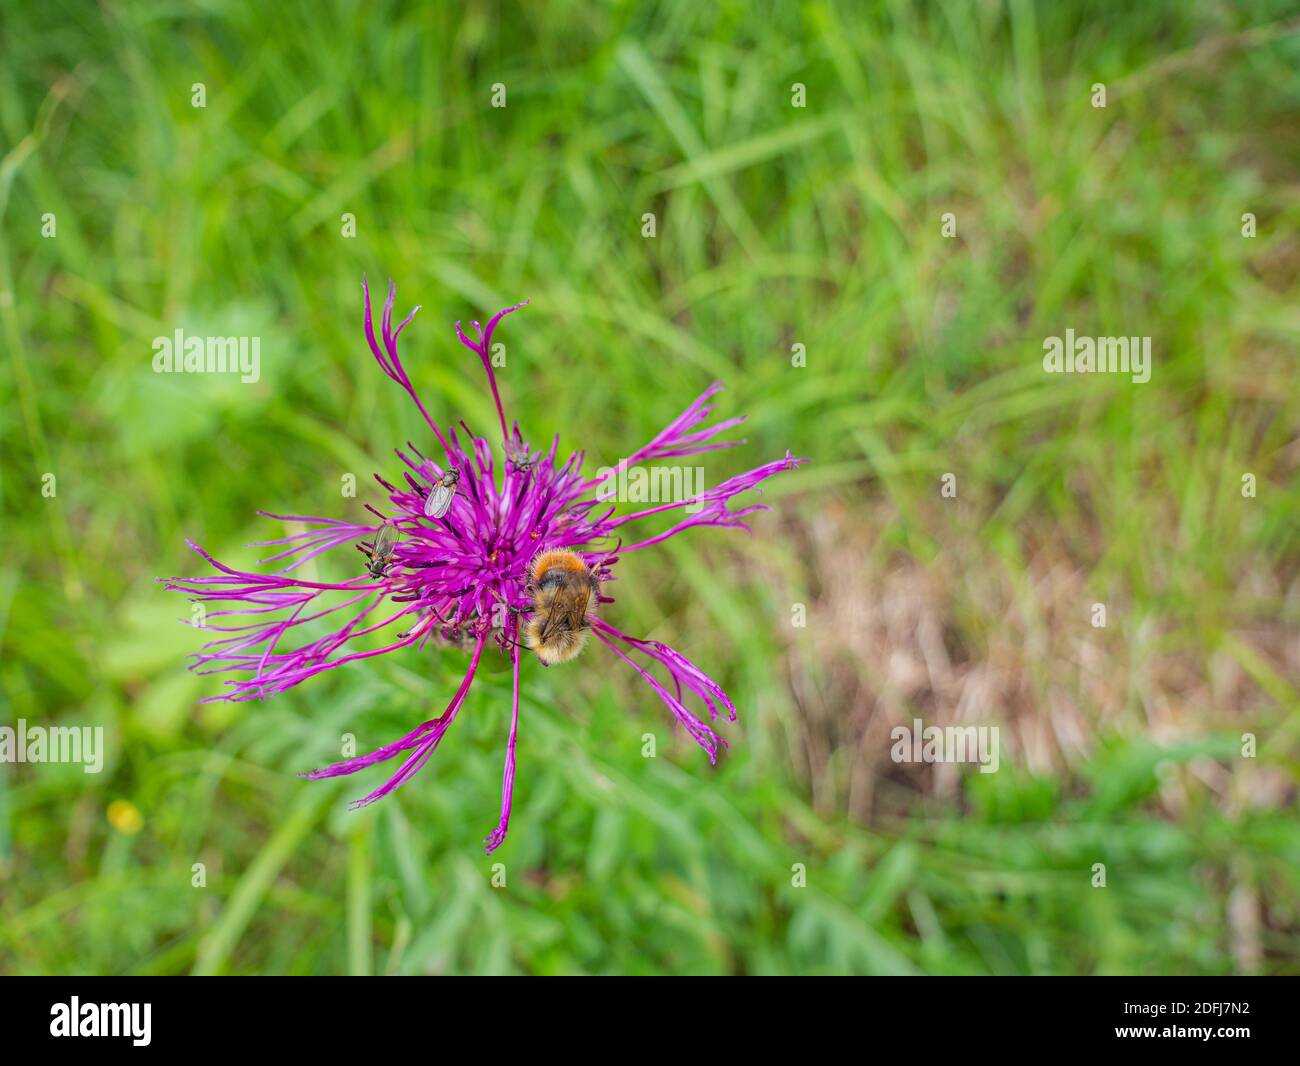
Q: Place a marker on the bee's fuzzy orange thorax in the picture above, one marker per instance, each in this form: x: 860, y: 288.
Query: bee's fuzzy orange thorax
x: 557, y: 559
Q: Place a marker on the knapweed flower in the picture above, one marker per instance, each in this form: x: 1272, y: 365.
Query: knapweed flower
x: 461, y: 578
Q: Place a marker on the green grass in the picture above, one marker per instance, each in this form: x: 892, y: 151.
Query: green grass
x: 775, y: 226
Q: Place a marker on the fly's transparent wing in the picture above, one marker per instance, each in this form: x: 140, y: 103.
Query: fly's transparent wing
x: 439, y: 501
x: 386, y: 539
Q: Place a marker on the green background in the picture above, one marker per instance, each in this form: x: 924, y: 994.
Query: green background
x: 776, y: 226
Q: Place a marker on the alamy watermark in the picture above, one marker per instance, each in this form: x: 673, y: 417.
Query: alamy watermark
x: 69, y: 744
x: 954, y: 743
x: 179, y: 354
x: 655, y: 484
x: 1098, y: 355
x: 132, y: 1020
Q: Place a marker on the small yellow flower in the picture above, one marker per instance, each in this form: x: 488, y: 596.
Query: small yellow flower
x: 125, y: 817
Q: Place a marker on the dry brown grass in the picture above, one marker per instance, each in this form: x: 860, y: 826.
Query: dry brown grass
x: 963, y: 640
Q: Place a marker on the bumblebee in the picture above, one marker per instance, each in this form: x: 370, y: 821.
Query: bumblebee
x: 563, y: 591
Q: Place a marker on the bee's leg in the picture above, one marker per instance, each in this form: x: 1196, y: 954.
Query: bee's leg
x: 510, y: 606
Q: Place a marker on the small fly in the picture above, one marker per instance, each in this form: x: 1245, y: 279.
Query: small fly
x: 519, y: 458
x: 438, y: 502
x: 381, y: 554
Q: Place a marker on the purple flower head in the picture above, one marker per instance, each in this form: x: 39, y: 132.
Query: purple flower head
x: 462, y: 577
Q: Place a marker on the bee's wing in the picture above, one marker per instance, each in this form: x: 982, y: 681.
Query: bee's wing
x: 552, y: 626
x: 562, y: 619
x: 439, y: 501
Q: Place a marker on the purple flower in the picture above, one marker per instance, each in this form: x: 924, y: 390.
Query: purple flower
x: 461, y: 577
